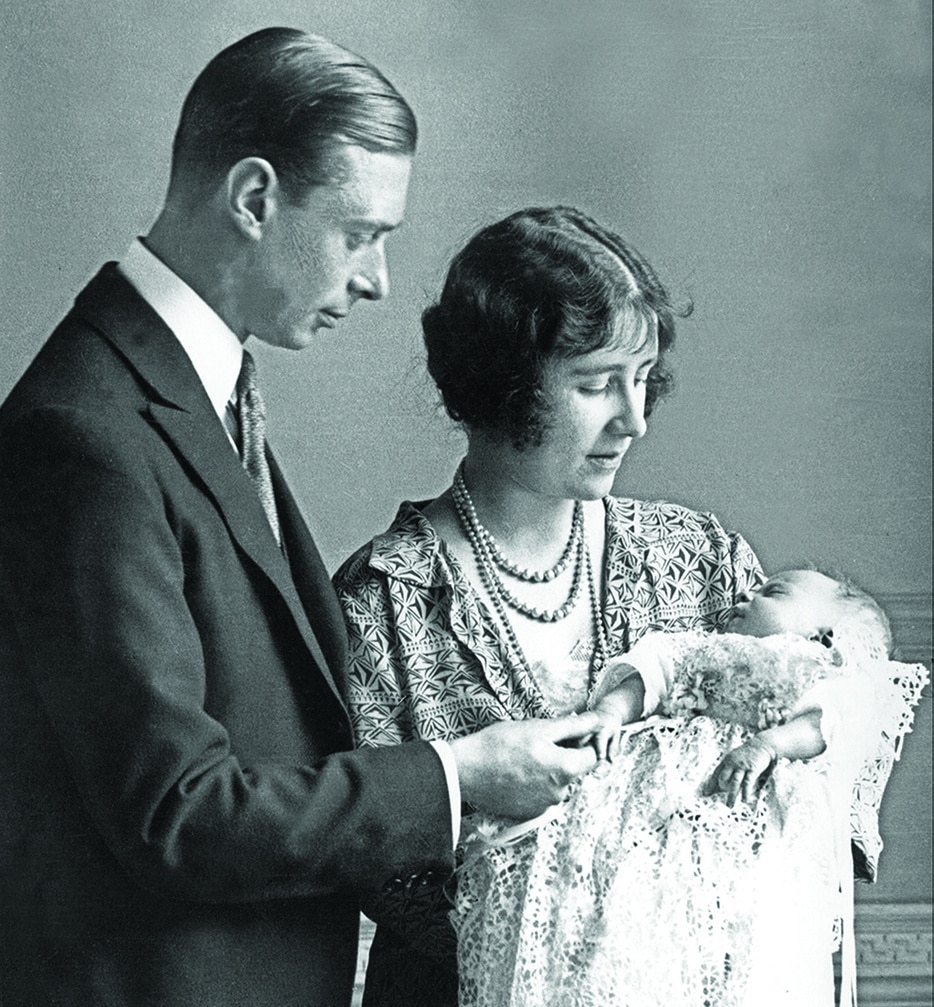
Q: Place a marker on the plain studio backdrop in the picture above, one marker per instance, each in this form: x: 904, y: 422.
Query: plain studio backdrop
x: 771, y: 159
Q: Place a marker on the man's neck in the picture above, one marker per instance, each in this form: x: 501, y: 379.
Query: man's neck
x: 195, y: 254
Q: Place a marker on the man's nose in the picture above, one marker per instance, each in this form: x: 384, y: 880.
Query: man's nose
x: 371, y: 281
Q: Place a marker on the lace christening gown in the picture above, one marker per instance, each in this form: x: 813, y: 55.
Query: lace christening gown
x: 642, y: 892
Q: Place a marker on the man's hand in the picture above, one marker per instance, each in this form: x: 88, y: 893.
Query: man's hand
x: 742, y: 771
x: 518, y: 769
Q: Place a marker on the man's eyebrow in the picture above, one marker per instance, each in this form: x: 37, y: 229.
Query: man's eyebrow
x: 372, y: 224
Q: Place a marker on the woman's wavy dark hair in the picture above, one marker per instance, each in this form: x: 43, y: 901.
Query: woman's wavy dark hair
x: 541, y: 283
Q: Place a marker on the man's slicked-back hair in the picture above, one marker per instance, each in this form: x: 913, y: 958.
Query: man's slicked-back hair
x: 289, y: 97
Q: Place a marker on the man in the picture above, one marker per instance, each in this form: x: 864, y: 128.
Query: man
x: 182, y: 820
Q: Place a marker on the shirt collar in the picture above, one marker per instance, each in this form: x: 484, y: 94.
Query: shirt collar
x: 213, y: 348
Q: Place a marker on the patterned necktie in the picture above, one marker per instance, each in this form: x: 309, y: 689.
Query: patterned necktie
x: 253, y: 439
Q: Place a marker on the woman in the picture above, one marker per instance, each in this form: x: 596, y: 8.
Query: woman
x: 506, y: 596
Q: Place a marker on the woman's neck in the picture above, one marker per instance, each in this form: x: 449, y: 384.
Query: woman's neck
x: 530, y: 526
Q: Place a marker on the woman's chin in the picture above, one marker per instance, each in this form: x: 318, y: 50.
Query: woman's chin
x: 596, y: 487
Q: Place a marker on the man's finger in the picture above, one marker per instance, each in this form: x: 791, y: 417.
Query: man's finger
x: 572, y: 728
x: 580, y: 760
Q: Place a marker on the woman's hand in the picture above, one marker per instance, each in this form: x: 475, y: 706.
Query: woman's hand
x: 743, y: 771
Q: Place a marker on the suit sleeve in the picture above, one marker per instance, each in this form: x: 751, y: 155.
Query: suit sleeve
x: 93, y: 571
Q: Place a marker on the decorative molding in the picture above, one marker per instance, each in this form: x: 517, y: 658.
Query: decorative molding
x: 893, y: 954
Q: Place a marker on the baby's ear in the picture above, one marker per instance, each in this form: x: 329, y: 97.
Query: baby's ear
x: 824, y: 637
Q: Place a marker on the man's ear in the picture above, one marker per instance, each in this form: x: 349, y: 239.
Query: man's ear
x: 824, y: 637
x: 252, y: 193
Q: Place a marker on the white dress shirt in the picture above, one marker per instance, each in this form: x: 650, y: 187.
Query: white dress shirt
x: 213, y: 348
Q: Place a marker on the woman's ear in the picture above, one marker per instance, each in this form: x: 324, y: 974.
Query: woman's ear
x: 252, y: 191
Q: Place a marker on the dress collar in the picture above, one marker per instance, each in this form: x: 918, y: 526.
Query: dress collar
x: 410, y: 549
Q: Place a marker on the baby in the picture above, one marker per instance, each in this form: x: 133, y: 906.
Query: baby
x: 652, y: 885
x: 804, y: 603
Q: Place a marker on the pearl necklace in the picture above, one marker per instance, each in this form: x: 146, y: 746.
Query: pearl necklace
x: 462, y: 495
x: 479, y: 537
x: 501, y: 596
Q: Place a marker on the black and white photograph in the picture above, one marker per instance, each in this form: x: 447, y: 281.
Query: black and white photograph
x: 465, y: 504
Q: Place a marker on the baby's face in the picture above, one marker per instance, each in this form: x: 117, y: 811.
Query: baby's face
x: 797, y: 601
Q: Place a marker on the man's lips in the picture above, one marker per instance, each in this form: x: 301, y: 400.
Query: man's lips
x: 330, y: 318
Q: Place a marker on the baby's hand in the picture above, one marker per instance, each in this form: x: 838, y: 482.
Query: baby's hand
x: 605, y: 740
x: 617, y: 707
x: 742, y: 771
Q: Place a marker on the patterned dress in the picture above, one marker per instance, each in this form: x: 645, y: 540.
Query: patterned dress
x: 427, y: 660
x: 639, y: 891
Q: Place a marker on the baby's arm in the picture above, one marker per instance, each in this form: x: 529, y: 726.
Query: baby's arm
x: 621, y: 705
x: 745, y: 769
x: 639, y: 679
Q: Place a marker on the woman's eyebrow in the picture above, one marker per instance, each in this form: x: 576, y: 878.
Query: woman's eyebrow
x: 586, y: 369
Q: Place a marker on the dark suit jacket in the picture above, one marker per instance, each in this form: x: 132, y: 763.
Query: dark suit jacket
x: 181, y: 823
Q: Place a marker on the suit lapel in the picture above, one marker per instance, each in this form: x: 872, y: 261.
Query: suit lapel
x: 309, y: 575
x: 212, y: 461
x: 179, y: 407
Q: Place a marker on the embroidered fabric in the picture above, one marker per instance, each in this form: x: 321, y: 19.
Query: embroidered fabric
x: 642, y: 892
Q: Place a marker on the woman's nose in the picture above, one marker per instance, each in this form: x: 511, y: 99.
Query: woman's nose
x: 630, y: 415
x: 742, y: 597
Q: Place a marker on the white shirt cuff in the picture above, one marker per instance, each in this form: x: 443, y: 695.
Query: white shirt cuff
x: 454, y: 787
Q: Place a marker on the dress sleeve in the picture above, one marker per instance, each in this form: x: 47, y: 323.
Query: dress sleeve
x: 373, y: 680
x: 851, y: 718
x: 373, y: 685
